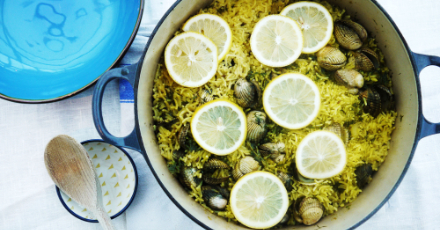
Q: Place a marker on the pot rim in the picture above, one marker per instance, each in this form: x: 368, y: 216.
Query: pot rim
x: 360, y: 222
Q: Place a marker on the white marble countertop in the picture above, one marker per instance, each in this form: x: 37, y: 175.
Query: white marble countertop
x: 27, y: 195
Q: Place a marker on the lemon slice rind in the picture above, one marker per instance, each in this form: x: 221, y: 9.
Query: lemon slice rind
x: 203, y: 138
x: 196, y: 54
x: 276, y: 37
x: 288, y: 93
x: 330, y: 147
x: 307, y: 28
x: 212, y: 32
x: 259, y: 194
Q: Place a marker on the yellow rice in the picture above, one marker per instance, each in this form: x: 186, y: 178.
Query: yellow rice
x: 174, y: 105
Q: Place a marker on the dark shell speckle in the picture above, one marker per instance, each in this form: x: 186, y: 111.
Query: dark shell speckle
x: 363, y: 175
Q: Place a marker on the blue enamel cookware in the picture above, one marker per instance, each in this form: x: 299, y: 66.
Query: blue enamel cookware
x: 405, y: 65
x: 50, y: 50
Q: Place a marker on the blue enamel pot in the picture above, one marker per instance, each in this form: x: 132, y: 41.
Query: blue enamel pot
x: 404, y: 64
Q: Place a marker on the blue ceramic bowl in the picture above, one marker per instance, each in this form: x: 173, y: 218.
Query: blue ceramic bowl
x: 50, y: 50
x: 118, y: 178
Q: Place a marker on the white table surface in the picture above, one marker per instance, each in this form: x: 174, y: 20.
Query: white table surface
x: 27, y: 195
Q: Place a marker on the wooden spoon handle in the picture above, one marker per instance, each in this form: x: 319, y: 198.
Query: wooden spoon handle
x: 104, y: 219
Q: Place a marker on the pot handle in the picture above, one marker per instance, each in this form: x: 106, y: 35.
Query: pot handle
x: 128, y: 73
x: 427, y: 128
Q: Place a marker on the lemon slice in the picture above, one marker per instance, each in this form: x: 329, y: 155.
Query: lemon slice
x: 191, y: 59
x: 320, y: 155
x: 276, y: 41
x: 315, y: 21
x: 259, y: 200
x: 292, y: 100
x: 219, y: 127
x: 213, y: 27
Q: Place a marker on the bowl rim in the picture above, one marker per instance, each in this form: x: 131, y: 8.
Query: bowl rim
x: 120, y: 56
x: 131, y: 198
x: 361, y: 221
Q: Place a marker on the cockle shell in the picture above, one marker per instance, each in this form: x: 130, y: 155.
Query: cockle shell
x: 376, y: 99
x: 300, y: 178
x: 349, y: 34
x: 339, y: 130
x: 247, y: 93
x: 181, y: 137
x: 187, y: 177
x: 206, y: 96
x: 308, y: 211
x: 272, y: 148
x: 256, y: 126
x: 358, y: 28
x: 276, y: 151
x: 208, y: 178
x: 350, y: 78
x: 286, y: 179
x: 363, y: 175
x: 371, y: 97
x: 386, y: 97
x: 245, y: 165
x: 214, y: 163
x: 213, y: 198
x: 366, y: 59
x: 331, y: 58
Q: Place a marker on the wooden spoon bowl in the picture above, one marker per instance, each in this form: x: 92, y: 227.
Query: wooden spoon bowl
x: 70, y: 167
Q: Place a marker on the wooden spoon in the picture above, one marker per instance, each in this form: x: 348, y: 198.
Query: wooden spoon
x: 70, y: 167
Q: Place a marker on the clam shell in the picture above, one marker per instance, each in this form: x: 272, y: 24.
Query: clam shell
x: 213, y: 198
x: 358, y: 28
x: 181, y: 137
x: 363, y: 175
x: 286, y: 179
x: 386, y: 97
x: 213, y: 180
x: 225, y: 192
x: 372, y: 98
x: 331, y: 58
x: 303, y: 180
x: 309, y: 211
x: 245, y: 92
x: 236, y: 173
x: 353, y: 91
x: 188, y: 179
x: 258, y: 91
x: 366, y: 59
x: 256, y: 126
x: 248, y: 164
x: 347, y: 37
x: 272, y: 148
x: 349, y: 78
x: 279, y: 159
x: 298, y: 177
x: 339, y: 130
x: 206, y: 96
x: 245, y: 165
x: 214, y: 163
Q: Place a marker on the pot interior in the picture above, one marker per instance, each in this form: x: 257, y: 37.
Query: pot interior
x: 405, y: 87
